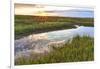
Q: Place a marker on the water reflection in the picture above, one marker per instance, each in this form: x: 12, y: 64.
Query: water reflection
x: 70, y: 33
x: 41, y: 43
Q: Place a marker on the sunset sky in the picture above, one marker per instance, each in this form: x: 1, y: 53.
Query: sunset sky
x: 53, y: 8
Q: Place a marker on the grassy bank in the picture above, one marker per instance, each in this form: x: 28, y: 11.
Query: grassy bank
x: 80, y: 49
x: 25, y: 25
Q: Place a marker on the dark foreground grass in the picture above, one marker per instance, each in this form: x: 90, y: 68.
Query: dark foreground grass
x: 80, y: 49
x: 26, y: 25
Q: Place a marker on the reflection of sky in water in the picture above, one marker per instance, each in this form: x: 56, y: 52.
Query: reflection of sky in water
x: 40, y: 42
x: 70, y: 33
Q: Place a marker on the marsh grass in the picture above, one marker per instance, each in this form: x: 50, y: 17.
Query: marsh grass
x: 26, y: 25
x: 80, y: 49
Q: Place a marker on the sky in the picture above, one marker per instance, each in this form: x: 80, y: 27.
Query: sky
x: 49, y: 9
x: 81, y: 3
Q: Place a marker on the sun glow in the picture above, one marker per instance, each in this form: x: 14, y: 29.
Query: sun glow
x: 42, y: 13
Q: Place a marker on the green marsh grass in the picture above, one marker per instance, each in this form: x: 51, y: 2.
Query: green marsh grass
x: 80, y: 49
x: 26, y: 25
